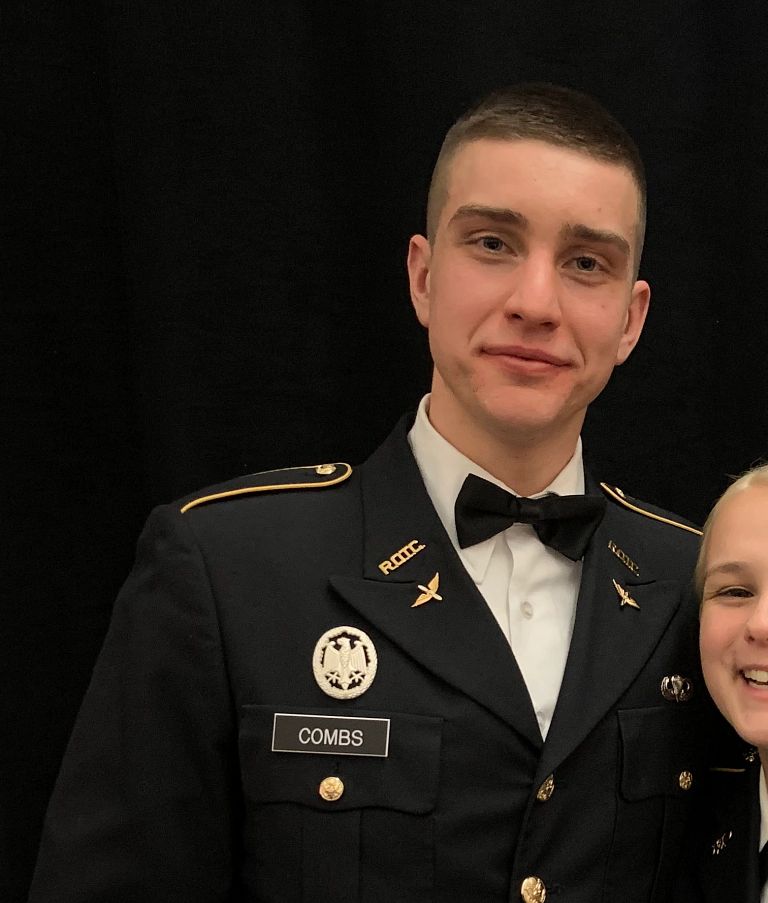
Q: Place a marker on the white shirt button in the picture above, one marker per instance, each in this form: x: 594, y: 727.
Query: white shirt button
x: 527, y: 609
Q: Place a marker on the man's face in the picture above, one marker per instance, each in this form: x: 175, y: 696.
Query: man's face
x: 734, y: 613
x: 527, y: 290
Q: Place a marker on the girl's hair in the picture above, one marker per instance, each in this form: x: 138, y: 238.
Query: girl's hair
x: 755, y: 476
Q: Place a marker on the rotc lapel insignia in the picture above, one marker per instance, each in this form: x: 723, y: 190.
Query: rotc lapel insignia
x: 624, y: 558
x: 344, y: 662
x: 429, y: 592
x: 720, y: 844
x: 626, y: 599
x: 676, y: 688
x: 401, y: 556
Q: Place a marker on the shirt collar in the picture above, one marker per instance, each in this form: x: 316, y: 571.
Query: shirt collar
x: 444, y: 468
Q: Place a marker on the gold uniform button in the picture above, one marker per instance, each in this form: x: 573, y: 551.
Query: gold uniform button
x: 685, y: 780
x: 325, y: 470
x: 532, y: 890
x: 331, y: 789
x: 546, y: 790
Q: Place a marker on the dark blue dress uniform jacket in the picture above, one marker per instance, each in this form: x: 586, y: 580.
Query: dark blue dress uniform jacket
x: 170, y: 791
x: 723, y: 848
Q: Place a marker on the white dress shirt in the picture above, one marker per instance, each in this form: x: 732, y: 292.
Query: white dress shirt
x: 530, y: 588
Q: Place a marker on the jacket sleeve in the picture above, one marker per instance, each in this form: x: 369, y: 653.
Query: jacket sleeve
x: 143, y: 806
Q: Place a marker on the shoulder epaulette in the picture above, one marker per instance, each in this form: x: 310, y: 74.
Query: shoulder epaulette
x: 613, y: 492
x: 318, y: 476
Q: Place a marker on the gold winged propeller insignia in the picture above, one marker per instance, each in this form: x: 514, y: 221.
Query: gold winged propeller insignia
x: 626, y: 599
x: 429, y: 592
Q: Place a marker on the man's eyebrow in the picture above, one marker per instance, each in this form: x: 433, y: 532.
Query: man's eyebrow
x: 601, y: 236
x: 502, y: 215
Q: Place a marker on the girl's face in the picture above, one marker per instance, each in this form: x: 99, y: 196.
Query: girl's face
x: 734, y: 614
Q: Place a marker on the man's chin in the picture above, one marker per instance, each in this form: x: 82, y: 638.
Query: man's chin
x: 524, y: 419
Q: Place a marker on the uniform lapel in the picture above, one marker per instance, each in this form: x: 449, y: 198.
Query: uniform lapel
x: 455, y: 637
x: 611, y: 642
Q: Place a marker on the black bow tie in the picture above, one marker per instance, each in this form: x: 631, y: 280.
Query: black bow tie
x: 562, y: 522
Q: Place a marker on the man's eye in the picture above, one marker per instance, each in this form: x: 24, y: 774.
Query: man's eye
x: 586, y: 264
x: 492, y: 243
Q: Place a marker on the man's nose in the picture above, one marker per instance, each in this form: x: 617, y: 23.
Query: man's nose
x: 534, y: 296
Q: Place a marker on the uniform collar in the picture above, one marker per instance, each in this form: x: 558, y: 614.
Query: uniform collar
x: 444, y: 468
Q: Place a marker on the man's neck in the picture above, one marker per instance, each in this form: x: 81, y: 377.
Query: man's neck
x: 525, y: 463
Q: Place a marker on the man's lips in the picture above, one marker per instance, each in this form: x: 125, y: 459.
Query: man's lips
x: 525, y: 354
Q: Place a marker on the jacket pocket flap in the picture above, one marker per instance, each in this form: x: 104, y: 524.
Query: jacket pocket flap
x: 660, y: 752
x: 406, y: 779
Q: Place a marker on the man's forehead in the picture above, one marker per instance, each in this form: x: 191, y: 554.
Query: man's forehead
x: 521, y: 155
x: 482, y: 172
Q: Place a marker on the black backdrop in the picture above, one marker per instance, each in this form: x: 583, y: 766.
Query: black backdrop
x: 206, y: 211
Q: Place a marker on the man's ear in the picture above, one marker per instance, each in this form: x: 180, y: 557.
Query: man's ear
x: 419, y: 260
x: 636, y: 314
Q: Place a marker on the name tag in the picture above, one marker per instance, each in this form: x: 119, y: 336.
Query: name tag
x: 330, y: 735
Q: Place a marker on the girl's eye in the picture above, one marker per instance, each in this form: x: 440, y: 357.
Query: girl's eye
x: 734, y: 593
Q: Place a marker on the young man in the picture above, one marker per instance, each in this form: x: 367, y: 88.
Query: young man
x: 404, y: 682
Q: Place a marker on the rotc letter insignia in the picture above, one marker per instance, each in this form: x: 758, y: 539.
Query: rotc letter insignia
x: 626, y: 599
x: 398, y: 558
x: 623, y: 558
x: 429, y: 592
x: 344, y: 662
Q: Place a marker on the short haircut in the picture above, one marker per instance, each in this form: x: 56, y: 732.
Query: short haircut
x: 541, y: 112
x: 755, y: 476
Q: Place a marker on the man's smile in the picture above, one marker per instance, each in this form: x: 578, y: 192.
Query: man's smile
x: 525, y: 360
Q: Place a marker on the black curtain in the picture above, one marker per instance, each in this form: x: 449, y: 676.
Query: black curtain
x: 206, y: 211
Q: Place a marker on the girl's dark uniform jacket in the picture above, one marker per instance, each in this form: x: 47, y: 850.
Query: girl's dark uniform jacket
x: 723, y: 862
x: 170, y: 790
